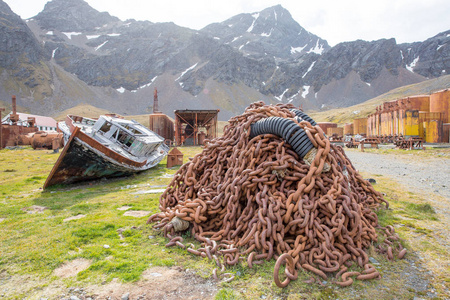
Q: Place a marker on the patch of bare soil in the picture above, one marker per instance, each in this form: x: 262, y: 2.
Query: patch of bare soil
x: 74, y: 218
x: 137, y: 213
x: 72, y: 268
x: 126, y: 207
x: 157, y: 283
x: 34, y: 209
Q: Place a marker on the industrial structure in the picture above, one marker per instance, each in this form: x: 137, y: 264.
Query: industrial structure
x: 12, y: 127
x: 160, y: 123
x: 422, y: 116
x: 20, y: 129
x: 192, y: 127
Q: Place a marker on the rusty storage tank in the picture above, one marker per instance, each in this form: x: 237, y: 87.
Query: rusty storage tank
x: 425, y: 116
x: 418, y: 102
x: 428, y: 116
x: 395, y: 121
x: 348, y: 129
x: 162, y: 125
x: 440, y: 102
x: 410, y: 123
x: 370, y: 125
x: 25, y: 139
x: 446, y: 133
x: 433, y: 131
x: 325, y: 125
x: 44, y: 140
x: 360, y: 126
x: 339, y: 131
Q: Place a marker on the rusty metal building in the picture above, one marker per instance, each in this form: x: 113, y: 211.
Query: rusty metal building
x: 424, y: 116
x: 162, y: 125
x: 13, y: 126
x: 325, y: 125
x: 192, y: 127
x: 360, y: 126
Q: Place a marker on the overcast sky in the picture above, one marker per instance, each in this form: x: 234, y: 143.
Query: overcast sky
x: 333, y: 20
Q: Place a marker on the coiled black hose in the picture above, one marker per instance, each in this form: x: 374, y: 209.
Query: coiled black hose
x: 287, y: 129
x: 303, y: 116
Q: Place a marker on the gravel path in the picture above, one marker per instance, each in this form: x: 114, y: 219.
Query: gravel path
x: 429, y: 176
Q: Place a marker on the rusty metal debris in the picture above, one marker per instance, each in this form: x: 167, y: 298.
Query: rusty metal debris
x: 255, y: 199
x: 411, y: 143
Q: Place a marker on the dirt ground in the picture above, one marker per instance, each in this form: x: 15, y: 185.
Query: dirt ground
x: 157, y: 283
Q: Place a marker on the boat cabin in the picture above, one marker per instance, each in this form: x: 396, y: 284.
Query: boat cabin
x: 130, y: 135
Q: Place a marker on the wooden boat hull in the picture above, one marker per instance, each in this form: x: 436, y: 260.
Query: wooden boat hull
x: 85, y: 159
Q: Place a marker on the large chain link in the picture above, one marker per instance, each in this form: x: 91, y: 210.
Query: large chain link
x: 255, y: 198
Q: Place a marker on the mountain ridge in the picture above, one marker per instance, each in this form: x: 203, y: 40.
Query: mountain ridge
x: 227, y: 65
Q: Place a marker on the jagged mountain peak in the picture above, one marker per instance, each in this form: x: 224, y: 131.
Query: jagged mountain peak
x: 270, y: 32
x: 72, y: 15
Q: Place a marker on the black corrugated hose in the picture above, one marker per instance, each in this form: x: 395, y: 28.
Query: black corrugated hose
x: 287, y: 129
x: 303, y: 116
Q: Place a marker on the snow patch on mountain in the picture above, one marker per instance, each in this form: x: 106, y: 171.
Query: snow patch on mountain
x: 185, y: 71
x: 279, y: 98
x: 297, y: 49
x: 309, y: 69
x: 305, y: 91
x: 318, y: 49
x: 255, y: 16
x: 411, y: 66
x: 70, y: 34
x: 98, y: 47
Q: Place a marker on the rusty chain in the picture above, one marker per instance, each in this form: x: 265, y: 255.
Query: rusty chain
x: 255, y: 198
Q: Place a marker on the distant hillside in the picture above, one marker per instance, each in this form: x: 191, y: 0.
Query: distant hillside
x: 84, y: 110
x: 348, y: 114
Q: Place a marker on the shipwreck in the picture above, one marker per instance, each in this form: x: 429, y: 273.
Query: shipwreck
x: 104, y: 148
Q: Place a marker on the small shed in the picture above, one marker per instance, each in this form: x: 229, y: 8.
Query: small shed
x: 193, y: 126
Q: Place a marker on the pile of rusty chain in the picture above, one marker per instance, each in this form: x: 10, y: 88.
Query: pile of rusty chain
x: 255, y: 199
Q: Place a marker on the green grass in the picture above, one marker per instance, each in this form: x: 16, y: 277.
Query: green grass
x: 118, y: 246
x: 38, y: 243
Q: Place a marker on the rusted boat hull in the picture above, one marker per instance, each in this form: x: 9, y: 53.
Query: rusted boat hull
x: 85, y: 159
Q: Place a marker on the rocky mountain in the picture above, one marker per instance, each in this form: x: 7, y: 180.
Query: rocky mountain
x: 80, y: 55
x: 68, y: 15
x: 430, y: 58
x: 15, y: 63
x: 271, y: 32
